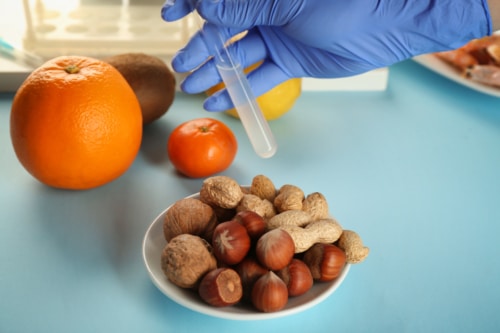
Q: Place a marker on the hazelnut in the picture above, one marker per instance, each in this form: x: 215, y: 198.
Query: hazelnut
x: 221, y: 287
x: 230, y: 242
x: 275, y: 249
x: 269, y: 293
x: 249, y: 270
x: 297, y: 277
x: 325, y: 261
x: 253, y: 222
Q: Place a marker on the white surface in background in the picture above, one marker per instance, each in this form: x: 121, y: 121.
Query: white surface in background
x: 13, y: 30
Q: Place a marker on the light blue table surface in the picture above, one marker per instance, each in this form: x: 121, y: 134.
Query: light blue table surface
x: 414, y: 169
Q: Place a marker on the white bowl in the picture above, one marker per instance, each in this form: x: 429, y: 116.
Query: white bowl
x: 153, y: 245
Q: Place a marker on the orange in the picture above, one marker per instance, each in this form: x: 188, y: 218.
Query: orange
x: 273, y: 103
x: 202, y: 147
x: 75, y: 123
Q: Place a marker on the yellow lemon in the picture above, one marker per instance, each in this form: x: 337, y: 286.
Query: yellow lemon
x: 275, y: 102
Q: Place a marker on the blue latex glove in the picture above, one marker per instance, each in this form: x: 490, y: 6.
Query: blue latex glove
x: 321, y: 38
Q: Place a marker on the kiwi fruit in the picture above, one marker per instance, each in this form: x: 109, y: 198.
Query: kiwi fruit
x: 150, y: 79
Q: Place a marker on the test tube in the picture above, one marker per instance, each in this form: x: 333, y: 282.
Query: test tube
x: 240, y: 92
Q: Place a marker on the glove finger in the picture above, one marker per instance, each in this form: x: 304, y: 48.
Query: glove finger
x: 262, y: 79
x: 173, y: 10
x: 196, y: 51
x: 201, y: 80
x: 265, y: 77
x: 246, y: 52
x: 191, y: 56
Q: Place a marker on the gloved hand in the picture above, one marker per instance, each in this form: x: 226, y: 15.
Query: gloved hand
x: 321, y: 38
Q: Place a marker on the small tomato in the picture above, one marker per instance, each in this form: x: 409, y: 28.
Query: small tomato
x: 202, y: 147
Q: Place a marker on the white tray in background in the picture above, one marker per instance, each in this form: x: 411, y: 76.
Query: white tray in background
x: 433, y: 63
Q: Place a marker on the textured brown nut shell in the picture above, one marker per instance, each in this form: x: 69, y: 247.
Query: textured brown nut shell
x: 221, y: 191
x: 325, y: 261
x: 289, y: 197
x: 189, y: 216
x: 263, y: 187
x: 353, y: 247
x: 253, y: 203
x: 221, y: 287
x: 316, y: 205
x: 297, y: 277
x: 186, y: 259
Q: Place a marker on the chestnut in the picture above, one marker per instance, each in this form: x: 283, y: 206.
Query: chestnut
x: 325, y: 261
x: 230, y: 242
x: 221, y: 287
x: 269, y: 293
x: 275, y: 249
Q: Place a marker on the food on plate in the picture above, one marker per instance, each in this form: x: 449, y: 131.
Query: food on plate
x: 325, y: 261
x: 252, y: 202
x: 297, y: 277
x: 221, y: 287
x: 76, y: 123
x: 202, y: 147
x: 249, y: 270
x: 230, y: 242
x: 186, y: 259
x: 320, y: 231
x: 353, y: 247
x: 263, y: 187
x: 189, y: 216
x: 478, y: 60
x: 253, y: 223
x: 221, y: 191
x: 151, y: 80
x: 259, y: 262
x: 275, y: 249
x: 269, y: 293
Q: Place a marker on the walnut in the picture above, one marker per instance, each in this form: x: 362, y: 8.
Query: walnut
x: 189, y: 216
x: 221, y: 191
x: 186, y: 259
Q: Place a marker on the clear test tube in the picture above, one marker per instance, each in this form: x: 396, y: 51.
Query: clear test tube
x: 240, y: 92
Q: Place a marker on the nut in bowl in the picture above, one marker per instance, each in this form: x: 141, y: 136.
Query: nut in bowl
x: 226, y: 305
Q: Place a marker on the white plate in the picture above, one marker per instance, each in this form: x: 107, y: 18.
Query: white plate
x: 439, y: 66
x: 153, y: 245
